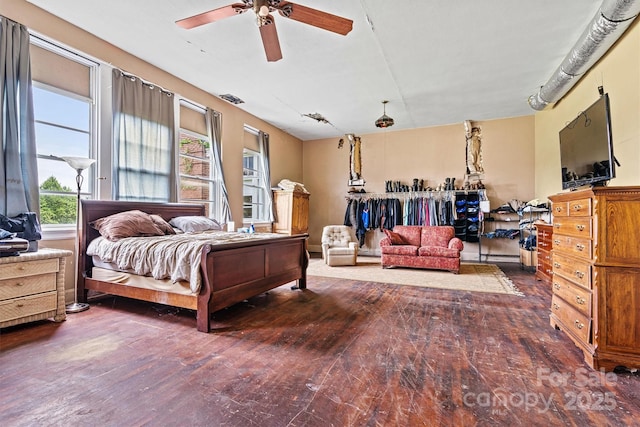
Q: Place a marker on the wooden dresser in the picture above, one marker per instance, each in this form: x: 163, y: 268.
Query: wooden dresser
x: 291, y: 211
x: 596, y: 273
x: 32, y: 287
x: 543, y: 246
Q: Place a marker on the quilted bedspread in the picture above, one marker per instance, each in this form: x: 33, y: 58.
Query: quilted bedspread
x: 175, y: 256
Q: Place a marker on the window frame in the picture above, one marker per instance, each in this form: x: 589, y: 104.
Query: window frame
x: 93, y: 101
x: 261, y: 188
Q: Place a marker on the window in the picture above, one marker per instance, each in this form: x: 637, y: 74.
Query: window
x: 253, y: 186
x: 198, y: 181
x: 65, y: 115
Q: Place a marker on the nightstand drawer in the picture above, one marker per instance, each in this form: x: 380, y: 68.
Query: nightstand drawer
x: 29, y: 268
x: 573, y: 269
x: 21, y: 286
x: 574, y: 226
x: 577, y: 296
x: 572, y: 319
x: 580, y: 247
x: 28, y: 306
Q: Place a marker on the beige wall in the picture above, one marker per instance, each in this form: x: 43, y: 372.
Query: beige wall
x: 432, y: 154
x: 619, y: 73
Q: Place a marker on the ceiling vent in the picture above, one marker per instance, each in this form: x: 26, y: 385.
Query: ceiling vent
x: 232, y: 98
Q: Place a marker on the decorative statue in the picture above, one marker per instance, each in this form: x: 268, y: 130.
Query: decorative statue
x: 355, y: 160
x: 474, y: 148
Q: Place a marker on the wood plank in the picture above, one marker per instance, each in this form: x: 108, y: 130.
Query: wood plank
x: 342, y: 353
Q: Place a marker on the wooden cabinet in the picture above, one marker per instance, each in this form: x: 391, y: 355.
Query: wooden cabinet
x: 291, y: 212
x: 32, y: 287
x: 596, y: 273
x: 543, y: 247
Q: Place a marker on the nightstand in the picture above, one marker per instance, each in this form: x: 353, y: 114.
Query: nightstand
x: 32, y: 287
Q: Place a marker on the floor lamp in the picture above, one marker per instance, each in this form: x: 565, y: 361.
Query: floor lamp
x: 79, y: 164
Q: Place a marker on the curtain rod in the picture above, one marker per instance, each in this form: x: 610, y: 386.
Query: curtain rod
x: 146, y: 83
x: 398, y: 194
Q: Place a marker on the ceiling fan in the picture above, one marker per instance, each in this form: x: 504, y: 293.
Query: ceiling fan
x: 263, y: 10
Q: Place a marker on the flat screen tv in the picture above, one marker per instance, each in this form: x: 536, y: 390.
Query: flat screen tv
x: 586, y: 147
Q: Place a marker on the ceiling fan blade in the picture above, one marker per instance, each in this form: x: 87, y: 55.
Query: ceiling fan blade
x: 212, y: 15
x: 317, y: 18
x: 270, y: 40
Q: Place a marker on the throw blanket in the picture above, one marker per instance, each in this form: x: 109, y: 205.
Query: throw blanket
x: 175, y: 256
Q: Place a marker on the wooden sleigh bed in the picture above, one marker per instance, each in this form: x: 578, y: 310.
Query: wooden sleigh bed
x: 230, y: 272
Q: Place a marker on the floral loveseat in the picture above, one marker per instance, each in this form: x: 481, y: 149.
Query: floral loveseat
x: 433, y: 247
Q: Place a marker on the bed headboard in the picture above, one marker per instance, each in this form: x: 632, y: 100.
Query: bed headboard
x: 92, y: 210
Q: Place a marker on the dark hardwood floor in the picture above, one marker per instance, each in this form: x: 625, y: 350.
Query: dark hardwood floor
x: 342, y: 353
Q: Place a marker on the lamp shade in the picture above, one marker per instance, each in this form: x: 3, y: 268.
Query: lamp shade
x: 78, y: 163
x: 384, y: 121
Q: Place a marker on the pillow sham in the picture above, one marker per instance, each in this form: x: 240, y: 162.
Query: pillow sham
x: 132, y: 223
x: 396, y: 239
x: 195, y: 223
x: 163, y: 225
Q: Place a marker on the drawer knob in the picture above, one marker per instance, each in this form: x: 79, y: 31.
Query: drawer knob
x: 578, y: 324
x: 556, y: 306
x: 556, y: 264
x: 579, y: 274
x: 577, y: 207
x: 558, y: 209
x: 19, y: 305
x: 580, y: 227
x: 556, y: 286
x: 580, y: 300
x: 19, y: 284
x: 579, y: 247
x: 557, y: 225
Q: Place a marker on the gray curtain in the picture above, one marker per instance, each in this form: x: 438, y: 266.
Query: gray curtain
x: 19, y: 162
x: 263, y: 142
x: 214, y: 128
x: 144, y: 140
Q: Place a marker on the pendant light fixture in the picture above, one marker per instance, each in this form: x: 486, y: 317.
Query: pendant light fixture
x: 384, y: 121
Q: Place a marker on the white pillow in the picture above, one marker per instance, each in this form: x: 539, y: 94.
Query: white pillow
x: 195, y: 223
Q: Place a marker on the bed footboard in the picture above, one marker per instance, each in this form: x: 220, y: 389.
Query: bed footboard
x: 231, y: 275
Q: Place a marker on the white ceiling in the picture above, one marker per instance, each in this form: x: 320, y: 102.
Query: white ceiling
x: 436, y: 62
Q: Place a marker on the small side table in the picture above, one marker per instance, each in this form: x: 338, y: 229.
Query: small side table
x: 32, y: 287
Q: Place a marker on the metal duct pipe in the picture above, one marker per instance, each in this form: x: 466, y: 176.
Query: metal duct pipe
x: 610, y: 22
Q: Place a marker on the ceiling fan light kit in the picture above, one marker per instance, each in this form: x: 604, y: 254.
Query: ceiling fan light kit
x: 268, y: 32
x: 384, y: 121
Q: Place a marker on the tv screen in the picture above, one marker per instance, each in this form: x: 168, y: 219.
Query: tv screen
x: 586, y: 147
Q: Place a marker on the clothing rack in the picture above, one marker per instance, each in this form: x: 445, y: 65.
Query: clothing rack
x: 427, y: 193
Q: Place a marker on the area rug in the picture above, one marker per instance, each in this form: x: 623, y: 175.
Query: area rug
x: 472, y: 277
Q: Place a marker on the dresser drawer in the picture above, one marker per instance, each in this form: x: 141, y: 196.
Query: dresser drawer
x: 572, y: 319
x: 573, y: 269
x: 577, y: 296
x: 28, y: 306
x: 544, y: 263
x: 560, y: 209
x: 574, y: 226
x: 21, y: 286
x: 580, y: 207
x: 544, y: 243
x: 580, y: 247
x: 29, y: 268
